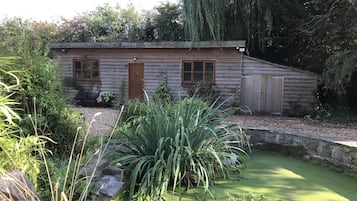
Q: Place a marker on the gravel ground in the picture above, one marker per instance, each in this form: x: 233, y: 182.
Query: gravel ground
x: 104, y: 119
x: 336, y: 132
x: 340, y: 133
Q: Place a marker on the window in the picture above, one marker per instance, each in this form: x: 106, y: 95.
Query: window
x: 86, y: 69
x: 198, y: 71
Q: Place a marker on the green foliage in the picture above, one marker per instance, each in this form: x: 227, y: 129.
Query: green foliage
x: 341, y: 114
x: 105, y: 97
x: 213, y: 20
x: 105, y: 23
x: 168, y: 22
x: 39, y: 93
x: 16, y: 151
x: 133, y: 109
x: 122, y: 98
x: 339, y: 71
x: 66, y: 181
x: 208, y: 93
x: 162, y: 93
x: 183, y: 144
x: 201, y: 15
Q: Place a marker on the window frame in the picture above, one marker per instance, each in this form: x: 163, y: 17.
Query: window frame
x: 91, y: 62
x: 192, y: 81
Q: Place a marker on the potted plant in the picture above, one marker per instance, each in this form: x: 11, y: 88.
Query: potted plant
x: 105, y: 98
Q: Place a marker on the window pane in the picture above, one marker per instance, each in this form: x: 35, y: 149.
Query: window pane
x: 95, y: 65
x: 209, y: 77
x: 86, y: 70
x: 187, y: 67
x: 77, y: 65
x: 187, y: 76
x: 95, y: 74
x: 198, y: 77
x: 95, y: 69
x: 198, y: 66
x: 77, y: 74
x: 209, y: 67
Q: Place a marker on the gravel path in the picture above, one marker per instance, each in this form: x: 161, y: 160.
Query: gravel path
x: 336, y: 132
x: 104, y: 119
x: 340, y: 133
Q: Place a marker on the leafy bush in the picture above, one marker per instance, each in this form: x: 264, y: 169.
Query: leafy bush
x: 162, y: 93
x: 106, y: 97
x: 184, y: 144
x: 16, y: 151
x: 208, y: 93
x: 341, y: 114
x: 133, y: 109
x: 39, y: 93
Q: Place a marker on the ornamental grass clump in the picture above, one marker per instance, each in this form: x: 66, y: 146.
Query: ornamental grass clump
x: 182, y: 145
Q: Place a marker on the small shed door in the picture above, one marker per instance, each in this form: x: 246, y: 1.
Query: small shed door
x: 250, y: 92
x: 136, y: 81
x: 263, y: 93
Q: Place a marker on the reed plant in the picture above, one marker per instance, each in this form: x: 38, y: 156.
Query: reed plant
x: 178, y: 145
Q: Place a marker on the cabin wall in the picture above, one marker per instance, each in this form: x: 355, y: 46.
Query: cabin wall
x: 157, y: 63
x: 299, y: 87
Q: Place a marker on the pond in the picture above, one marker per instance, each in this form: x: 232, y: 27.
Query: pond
x: 281, y: 177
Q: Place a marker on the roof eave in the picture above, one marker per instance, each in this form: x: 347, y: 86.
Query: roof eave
x: 150, y: 45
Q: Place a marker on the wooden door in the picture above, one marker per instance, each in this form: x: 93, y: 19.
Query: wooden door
x: 251, y: 93
x: 136, y: 81
x: 262, y: 93
x: 273, y: 95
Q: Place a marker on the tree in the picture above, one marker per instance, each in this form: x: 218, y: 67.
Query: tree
x: 224, y: 19
x: 314, y: 35
x: 104, y: 24
x: 131, y: 23
x: 330, y: 32
x: 168, y: 22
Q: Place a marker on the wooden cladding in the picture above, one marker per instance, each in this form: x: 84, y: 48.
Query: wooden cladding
x: 86, y: 69
x: 198, y: 71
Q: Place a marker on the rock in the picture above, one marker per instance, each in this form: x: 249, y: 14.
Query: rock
x: 91, y: 166
x: 113, y: 171
x: 232, y: 160
x: 340, y: 155
x: 14, y: 186
x: 109, y: 185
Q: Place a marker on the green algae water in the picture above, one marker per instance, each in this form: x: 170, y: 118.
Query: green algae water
x: 281, y: 177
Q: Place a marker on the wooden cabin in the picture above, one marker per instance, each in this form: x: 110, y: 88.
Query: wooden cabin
x: 126, y: 68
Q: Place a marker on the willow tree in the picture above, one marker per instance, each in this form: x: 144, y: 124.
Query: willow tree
x: 229, y: 19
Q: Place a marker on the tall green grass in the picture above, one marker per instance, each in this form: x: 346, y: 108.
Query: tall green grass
x: 177, y: 145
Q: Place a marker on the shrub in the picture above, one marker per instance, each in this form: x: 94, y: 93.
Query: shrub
x: 133, y: 109
x: 184, y: 144
x: 39, y: 92
x: 162, y: 93
x: 106, y: 97
x: 16, y: 151
x: 208, y: 93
